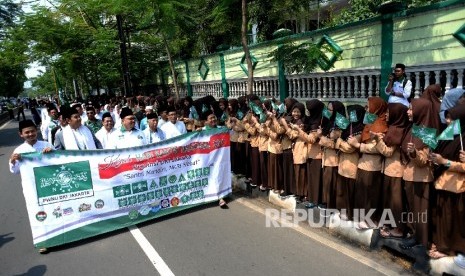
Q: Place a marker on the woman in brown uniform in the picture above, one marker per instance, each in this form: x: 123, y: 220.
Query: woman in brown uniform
x: 288, y: 158
x: 389, y: 145
x: 299, y: 151
x: 330, y: 155
x: 314, y: 153
x: 275, y: 150
x: 348, y: 161
x: 449, y: 218
x: 368, y: 183
x: 418, y: 173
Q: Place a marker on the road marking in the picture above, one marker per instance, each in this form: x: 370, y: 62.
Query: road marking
x: 4, y: 125
x: 329, y: 243
x: 151, y: 253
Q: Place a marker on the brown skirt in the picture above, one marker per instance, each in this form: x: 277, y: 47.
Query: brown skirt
x: 314, y: 172
x: 345, y: 188
x: 368, y: 189
x: 329, y: 186
x: 255, y: 166
x: 233, y: 157
x: 418, y: 215
x: 300, y: 180
x: 240, y: 158
x: 393, y: 198
x: 275, y: 171
x: 248, y: 160
x: 288, y: 171
x: 264, y: 168
x: 449, y: 222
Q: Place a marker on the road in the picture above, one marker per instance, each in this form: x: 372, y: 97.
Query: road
x: 206, y: 240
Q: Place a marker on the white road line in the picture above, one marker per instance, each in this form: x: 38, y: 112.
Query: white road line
x: 4, y: 125
x: 331, y: 244
x: 151, y: 253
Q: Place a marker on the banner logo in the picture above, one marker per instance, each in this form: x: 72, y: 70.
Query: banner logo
x: 63, y: 182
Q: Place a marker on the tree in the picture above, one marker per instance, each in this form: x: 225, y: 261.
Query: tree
x: 246, y: 48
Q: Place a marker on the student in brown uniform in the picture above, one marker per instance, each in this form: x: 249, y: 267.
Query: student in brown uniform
x: 262, y: 130
x: 389, y: 145
x: 418, y: 173
x: 237, y: 137
x: 243, y: 112
x: 288, y: 157
x: 449, y: 218
x: 368, y: 183
x: 250, y: 127
x: 314, y: 152
x: 330, y: 155
x: 275, y: 150
x: 348, y: 161
x: 299, y: 151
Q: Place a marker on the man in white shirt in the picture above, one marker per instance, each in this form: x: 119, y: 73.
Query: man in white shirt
x: 399, y: 88
x: 163, y: 115
x: 173, y: 127
x: 127, y: 135
x: 75, y: 135
x: 152, y: 133
x: 50, y: 123
x: 28, y: 131
x: 104, y: 134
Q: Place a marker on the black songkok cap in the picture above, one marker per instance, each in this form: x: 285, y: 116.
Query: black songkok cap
x: 26, y: 123
x: 105, y: 115
x: 401, y: 66
x: 152, y: 116
x: 125, y: 111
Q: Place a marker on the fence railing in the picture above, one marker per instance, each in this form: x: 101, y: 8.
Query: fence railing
x: 350, y: 85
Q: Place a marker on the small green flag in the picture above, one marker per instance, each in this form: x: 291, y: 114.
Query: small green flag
x: 240, y: 115
x: 450, y: 131
x: 369, y: 118
x: 262, y: 118
x: 326, y: 113
x: 255, y: 108
x: 341, y: 121
x: 204, y: 108
x: 281, y: 108
x: 275, y: 107
x: 353, y: 116
x: 425, y: 134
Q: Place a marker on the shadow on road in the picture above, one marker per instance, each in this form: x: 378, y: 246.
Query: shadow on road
x: 5, y: 239
x: 37, y: 270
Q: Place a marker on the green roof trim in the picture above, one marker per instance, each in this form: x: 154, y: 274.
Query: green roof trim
x: 243, y: 63
x: 324, y: 61
x: 460, y: 35
x: 203, y: 69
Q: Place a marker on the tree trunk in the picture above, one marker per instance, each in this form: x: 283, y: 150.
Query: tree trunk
x: 173, y: 72
x: 246, y: 48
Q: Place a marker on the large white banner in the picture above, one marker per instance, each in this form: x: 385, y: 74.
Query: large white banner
x: 71, y: 195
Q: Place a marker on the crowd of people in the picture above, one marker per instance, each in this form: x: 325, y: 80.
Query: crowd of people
x: 297, y: 149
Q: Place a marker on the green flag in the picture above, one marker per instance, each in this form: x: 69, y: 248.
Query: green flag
x: 425, y: 134
x: 353, y: 116
x: 204, y: 108
x: 275, y: 107
x: 255, y: 108
x: 341, y: 121
x: 326, y: 113
x: 450, y: 131
x: 369, y: 118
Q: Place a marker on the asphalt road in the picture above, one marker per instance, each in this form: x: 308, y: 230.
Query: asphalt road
x: 202, y: 241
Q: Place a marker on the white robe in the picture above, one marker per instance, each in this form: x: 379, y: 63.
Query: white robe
x: 172, y: 130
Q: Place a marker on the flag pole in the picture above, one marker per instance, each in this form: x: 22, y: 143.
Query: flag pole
x: 461, y: 141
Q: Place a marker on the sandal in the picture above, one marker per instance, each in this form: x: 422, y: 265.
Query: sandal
x: 222, y: 203
x: 43, y: 250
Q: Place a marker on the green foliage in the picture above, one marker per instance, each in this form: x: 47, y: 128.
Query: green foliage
x: 363, y: 9
x: 297, y: 57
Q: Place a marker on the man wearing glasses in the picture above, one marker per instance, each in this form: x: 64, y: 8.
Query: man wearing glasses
x: 127, y: 135
x: 399, y: 87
